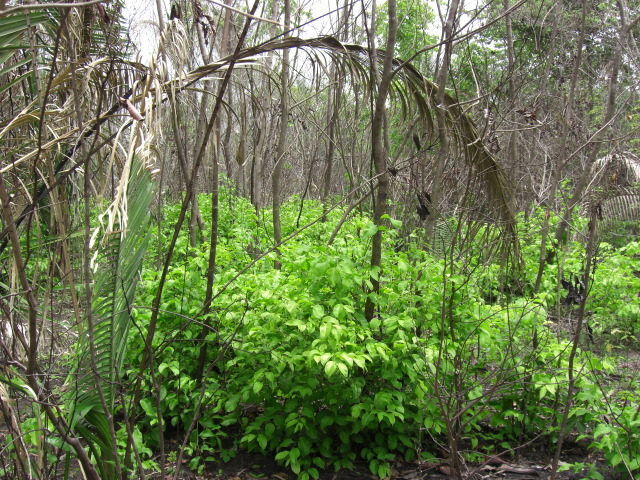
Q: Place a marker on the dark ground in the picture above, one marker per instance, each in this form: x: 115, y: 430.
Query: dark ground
x: 533, y: 465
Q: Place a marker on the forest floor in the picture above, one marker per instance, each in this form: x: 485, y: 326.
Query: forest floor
x: 532, y: 465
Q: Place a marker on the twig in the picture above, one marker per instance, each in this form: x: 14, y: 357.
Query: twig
x: 248, y: 15
x: 46, y: 6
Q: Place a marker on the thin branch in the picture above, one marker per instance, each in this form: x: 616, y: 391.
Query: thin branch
x: 248, y: 15
x: 461, y: 38
x: 46, y: 6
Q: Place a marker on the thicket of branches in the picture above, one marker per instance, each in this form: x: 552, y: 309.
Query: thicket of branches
x: 444, y: 124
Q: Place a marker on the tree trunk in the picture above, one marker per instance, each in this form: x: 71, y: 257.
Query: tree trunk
x: 282, y: 138
x: 379, y: 154
x: 512, y: 147
x: 333, y: 107
x: 441, y: 115
x: 215, y: 200
x: 599, y: 137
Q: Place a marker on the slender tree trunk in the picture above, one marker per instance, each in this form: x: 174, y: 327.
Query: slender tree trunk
x: 556, y: 174
x: 284, y: 123
x: 441, y: 116
x: 603, y: 130
x: 195, y: 221
x: 512, y: 147
x: 153, y: 321
x: 34, y: 377
x: 379, y: 153
x: 333, y: 107
x: 215, y: 201
x: 571, y: 371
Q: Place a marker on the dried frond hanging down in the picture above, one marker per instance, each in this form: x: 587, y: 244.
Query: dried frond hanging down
x: 615, y: 172
x: 410, y: 89
x: 141, y: 147
x: 133, y: 111
x: 416, y: 95
x: 174, y: 46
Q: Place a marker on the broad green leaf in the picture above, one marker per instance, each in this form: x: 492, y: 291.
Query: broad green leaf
x: 330, y: 367
x: 282, y: 455
x: 317, y: 311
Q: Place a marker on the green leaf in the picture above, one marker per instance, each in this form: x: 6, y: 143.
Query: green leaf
x: 325, y: 421
x: 282, y: 455
x: 324, y: 330
x: 330, y: 367
x: 269, y: 428
x: 394, y: 222
x: 375, y: 273
x: 370, y: 230
x: 317, y: 311
x: 294, y: 454
x: 304, y: 445
x: 119, y: 260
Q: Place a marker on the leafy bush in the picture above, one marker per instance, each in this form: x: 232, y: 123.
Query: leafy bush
x: 296, y: 371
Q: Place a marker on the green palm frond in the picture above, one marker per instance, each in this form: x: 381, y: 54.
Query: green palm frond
x: 12, y: 29
x: 117, y: 267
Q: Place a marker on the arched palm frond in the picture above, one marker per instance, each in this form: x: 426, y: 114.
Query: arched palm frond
x: 615, y: 173
x: 416, y: 95
x: 614, y: 190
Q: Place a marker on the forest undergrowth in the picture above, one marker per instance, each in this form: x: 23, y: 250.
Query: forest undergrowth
x: 463, y: 364
x: 462, y: 360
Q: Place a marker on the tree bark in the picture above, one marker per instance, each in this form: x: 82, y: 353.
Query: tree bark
x: 441, y: 115
x: 379, y: 153
x: 276, y: 178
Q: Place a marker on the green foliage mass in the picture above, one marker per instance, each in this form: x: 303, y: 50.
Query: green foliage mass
x: 295, y: 371
x: 415, y: 17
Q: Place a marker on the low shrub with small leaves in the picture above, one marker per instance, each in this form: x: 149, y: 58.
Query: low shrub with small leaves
x: 293, y: 368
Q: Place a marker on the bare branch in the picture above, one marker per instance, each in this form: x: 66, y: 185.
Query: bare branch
x: 248, y: 15
x: 46, y: 6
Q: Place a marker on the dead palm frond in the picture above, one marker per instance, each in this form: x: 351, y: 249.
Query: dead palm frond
x: 416, y: 96
x: 615, y: 172
x: 621, y: 208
